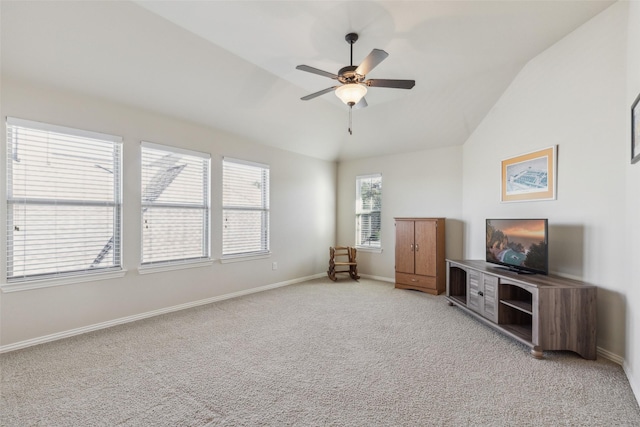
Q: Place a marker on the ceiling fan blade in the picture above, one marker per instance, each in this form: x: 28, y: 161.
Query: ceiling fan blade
x: 316, y: 71
x: 316, y: 94
x: 396, y: 84
x: 370, y: 62
x: 361, y: 104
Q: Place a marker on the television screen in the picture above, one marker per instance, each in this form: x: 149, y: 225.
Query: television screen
x: 518, y: 244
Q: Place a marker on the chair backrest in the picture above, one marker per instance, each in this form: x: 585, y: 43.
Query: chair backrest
x: 344, y: 253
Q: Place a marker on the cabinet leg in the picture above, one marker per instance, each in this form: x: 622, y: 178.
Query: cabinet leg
x: 537, y: 353
x: 450, y: 303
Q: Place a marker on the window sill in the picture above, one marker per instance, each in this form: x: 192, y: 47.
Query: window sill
x: 244, y: 257
x: 368, y: 249
x: 60, y: 281
x: 159, y: 268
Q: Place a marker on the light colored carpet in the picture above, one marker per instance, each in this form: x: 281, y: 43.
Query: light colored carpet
x: 313, y: 354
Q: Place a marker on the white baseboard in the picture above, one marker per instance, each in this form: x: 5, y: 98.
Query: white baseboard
x: 103, y: 325
x: 380, y: 278
x: 610, y: 356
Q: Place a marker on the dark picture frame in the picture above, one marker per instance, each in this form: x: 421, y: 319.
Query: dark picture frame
x: 635, y: 131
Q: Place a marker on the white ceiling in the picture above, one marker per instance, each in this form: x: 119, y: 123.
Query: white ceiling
x: 231, y: 64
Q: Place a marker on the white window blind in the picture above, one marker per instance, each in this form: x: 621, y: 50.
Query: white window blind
x: 245, y: 208
x: 175, y: 205
x: 63, y: 201
x: 368, y: 210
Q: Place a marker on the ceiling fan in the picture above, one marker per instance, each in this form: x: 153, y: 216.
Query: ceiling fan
x: 353, y: 85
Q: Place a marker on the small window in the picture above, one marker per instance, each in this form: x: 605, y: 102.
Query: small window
x: 63, y: 201
x: 175, y: 205
x: 245, y: 208
x: 368, y: 210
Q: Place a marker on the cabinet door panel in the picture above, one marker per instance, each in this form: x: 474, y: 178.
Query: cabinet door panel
x: 490, y: 298
x: 404, y: 247
x: 474, y: 290
x: 425, y: 238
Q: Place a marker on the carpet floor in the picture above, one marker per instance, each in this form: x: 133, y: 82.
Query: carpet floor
x: 313, y: 354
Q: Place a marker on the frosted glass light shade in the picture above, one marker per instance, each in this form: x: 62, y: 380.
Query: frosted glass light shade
x: 351, y: 93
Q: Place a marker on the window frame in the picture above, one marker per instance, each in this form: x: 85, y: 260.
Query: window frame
x: 360, y: 213
x: 265, y: 208
x: 54, y: 277
x: 177, y: 263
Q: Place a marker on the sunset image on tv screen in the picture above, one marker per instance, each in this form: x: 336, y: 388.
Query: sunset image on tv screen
x: 517, y: 242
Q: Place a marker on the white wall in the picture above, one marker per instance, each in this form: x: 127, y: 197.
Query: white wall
x: 302, y: 218
x: 422, y: 184
x: 572, y: 95
x: 632, y: 234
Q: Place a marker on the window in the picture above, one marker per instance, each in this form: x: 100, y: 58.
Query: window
x: 175, y: 205
x: 245, y: 208
x: 368, y: 207
x: 63, y: 201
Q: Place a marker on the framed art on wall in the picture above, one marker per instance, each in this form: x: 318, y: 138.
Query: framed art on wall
x: 529, y: 177
x: 635, y: 130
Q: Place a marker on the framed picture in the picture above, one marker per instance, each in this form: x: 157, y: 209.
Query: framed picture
x: 635, y: 130
x: 530, y: 176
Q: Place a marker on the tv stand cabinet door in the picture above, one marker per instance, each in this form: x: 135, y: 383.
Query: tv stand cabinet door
x: 490, y: 290
x: 475, y: 288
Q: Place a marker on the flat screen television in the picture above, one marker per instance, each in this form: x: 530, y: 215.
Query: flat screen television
x: 518, y: 244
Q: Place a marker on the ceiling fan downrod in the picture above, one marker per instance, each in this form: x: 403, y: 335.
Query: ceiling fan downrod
x: 351, y: 38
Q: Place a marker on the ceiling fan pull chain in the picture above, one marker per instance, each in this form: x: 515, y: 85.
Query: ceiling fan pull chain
x: 350, y: 109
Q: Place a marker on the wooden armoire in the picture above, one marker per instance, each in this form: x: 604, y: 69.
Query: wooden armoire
x: 420, y: 258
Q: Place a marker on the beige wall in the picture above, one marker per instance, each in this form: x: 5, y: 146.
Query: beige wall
x: 421, y: 184
x: 302, y: 219
x: 573, y: 96
x: 632, y: 230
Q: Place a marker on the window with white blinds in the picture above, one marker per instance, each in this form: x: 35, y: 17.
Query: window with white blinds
x: 63, y: 201
x: 175, y: 205
x: 368, y: 210
x: 245, y: 208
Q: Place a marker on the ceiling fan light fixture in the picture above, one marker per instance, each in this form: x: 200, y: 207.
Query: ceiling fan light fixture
x: 351, y: 93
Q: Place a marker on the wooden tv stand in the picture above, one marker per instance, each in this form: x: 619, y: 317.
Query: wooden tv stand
x: 542, y: 312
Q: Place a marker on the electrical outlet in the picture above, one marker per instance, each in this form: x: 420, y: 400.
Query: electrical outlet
x: 274, y: 265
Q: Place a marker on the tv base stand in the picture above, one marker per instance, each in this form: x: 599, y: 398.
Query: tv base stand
x: 542, y: 312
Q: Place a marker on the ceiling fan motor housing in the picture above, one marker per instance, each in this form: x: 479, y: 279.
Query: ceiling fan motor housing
x: 348, y: 75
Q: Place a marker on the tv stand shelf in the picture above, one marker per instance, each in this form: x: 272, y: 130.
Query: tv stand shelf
x: 525, y: 307
x: 542, y: 312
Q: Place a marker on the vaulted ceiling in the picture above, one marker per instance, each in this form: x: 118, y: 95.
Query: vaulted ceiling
x: 231, y: 64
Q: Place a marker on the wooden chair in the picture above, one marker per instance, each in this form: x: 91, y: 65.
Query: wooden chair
x: 342, y: 256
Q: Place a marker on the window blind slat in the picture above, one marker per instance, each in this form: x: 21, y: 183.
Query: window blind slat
x: 175, y: 204
x: 368, y: 210
x: 245, y: 199
x: 63, y: 200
